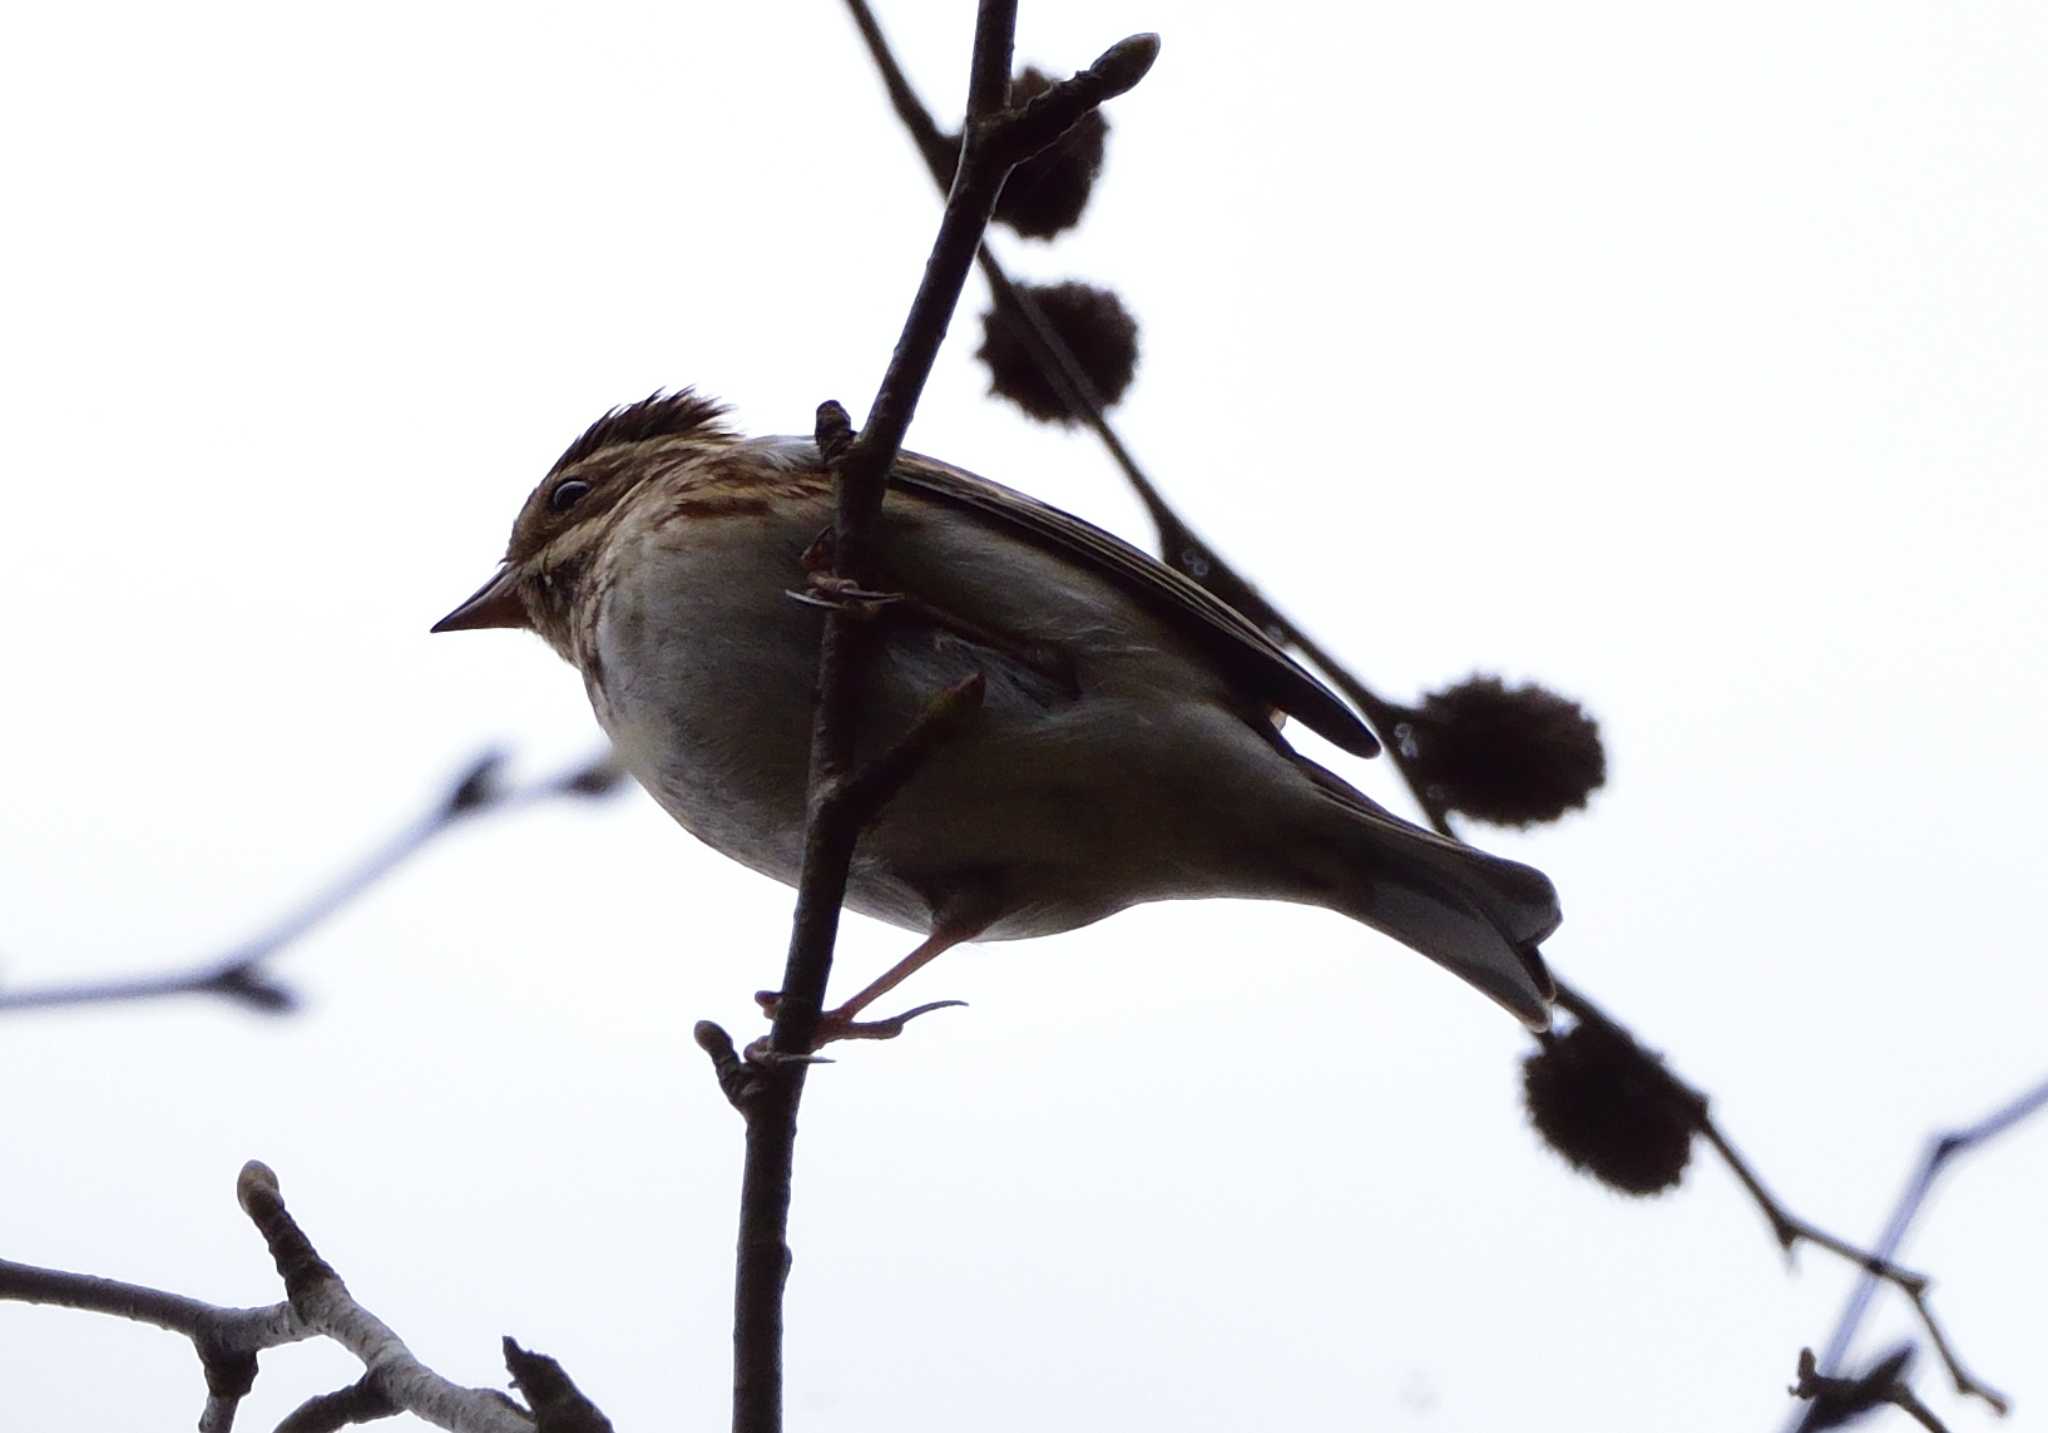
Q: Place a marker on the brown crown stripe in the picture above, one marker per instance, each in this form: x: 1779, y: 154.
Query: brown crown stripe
x: 655, y: 416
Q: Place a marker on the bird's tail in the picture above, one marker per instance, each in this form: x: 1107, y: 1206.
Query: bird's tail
x: 1478, y: 916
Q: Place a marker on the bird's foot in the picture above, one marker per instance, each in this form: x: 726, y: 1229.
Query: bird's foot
x: 843, y: 1024
x: 840, y: 594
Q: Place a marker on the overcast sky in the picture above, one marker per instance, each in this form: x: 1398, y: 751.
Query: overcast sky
x: 1687, y: 359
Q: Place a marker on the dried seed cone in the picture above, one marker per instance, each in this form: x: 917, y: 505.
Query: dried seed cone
x: 1096, y: 328
x: 1514, y: 756
x: 1605, y: 1104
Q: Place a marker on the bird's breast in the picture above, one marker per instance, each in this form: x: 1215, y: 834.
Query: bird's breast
x: 702, y: 676
x: 1089, y: 778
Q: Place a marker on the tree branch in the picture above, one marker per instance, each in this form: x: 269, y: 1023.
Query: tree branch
x: 322, y: 1302
x: 995, y: 140
x: 238, y: 974
x: 361, y: 1402
x: 1849, y: 1396
x: 317, y: 1305
x: 1940, y: 1150
x: 226, y: 1339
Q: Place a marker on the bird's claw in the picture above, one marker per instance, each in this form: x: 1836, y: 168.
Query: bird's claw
x: 841, y: 594
x: 835, y: 1025
x: 830, y: 1029
x: 760, y: 1052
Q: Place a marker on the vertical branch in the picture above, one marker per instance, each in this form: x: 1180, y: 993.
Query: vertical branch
x: 769, y: 1090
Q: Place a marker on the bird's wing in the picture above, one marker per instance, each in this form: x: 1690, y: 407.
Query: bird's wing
x: 1233, y: 640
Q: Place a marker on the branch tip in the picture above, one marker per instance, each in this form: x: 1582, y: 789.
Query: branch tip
x: 558, y: 1405
x: 1123, y: 64
x: 833, y: 430
x: 247, y: 985
x: 478, y: 787
x: 741, y: 1081
x: 257, y: 1183
x: 1009, y: 137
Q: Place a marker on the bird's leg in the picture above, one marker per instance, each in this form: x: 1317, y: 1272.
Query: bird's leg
x: 843, y: 1024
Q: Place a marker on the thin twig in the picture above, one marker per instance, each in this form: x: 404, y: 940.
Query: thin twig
x: 1786, y: 1227
x: 363, y: 1401
x: 995, y: 140
x: 558, y: 1404
x: 1940, y: 1150
x: 869, y: 789
x: 1852, y: 1395
x: 239, y: 974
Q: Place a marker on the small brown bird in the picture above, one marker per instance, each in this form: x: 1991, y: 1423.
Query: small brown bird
x: 1126, y: 749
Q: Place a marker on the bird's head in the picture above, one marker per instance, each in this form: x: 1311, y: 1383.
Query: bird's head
x: 566, y: 519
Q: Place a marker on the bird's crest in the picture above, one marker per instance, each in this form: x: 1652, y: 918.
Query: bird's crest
x: 658, y: 415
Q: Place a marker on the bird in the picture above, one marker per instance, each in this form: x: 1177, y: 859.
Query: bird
x: 1129, y: 743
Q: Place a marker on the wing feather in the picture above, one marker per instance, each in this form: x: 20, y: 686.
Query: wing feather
x: 1244, y: 650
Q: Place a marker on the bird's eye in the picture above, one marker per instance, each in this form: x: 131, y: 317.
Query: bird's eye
x: 566, y: 495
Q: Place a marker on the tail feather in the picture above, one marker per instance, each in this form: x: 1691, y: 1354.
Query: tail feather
x: 1466, y: 925
x: 1479, y: 916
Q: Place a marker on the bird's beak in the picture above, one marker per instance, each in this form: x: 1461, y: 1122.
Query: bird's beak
x: 495, y: 604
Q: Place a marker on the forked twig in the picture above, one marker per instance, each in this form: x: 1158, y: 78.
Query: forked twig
x: 317, y: 1305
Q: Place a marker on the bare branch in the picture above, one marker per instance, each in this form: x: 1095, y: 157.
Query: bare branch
x: 1789, y: 1229
x: 1850, y: 1396
x: 1940, y: 1151
x: 1044, y: 119
x: 318, y: 1305
x: 558, y: 1404
x: 323, y: 1303
x: 741, y: 1081
x: 996, y: 138
x: 868, y: 790
x: 239, y: 975
x: 363, y: 1401
x: 226, y: 1339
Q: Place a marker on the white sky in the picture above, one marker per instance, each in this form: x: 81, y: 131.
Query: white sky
x: 1689, y: 359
